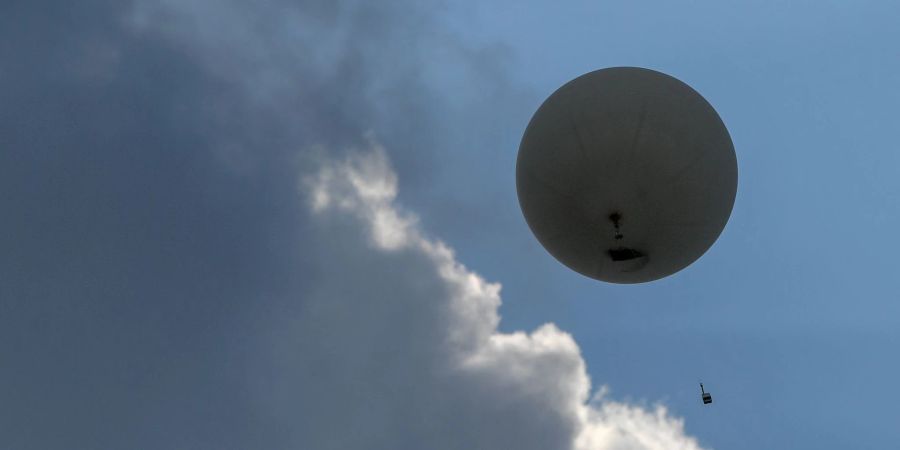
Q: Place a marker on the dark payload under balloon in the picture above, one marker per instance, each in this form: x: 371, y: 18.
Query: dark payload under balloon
x: 626, y: 175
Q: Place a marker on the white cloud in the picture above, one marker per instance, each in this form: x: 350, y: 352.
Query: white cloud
x: 398, y: 347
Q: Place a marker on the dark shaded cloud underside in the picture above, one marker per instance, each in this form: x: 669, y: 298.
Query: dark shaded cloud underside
x: 136, y: 259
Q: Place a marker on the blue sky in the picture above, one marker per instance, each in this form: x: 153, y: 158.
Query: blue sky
x: 790, y: 318
x: 166, y: 285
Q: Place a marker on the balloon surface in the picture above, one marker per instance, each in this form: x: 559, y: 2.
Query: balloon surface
x: 626, y: 175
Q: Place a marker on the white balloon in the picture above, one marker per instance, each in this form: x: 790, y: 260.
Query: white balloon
x: 626, y: 175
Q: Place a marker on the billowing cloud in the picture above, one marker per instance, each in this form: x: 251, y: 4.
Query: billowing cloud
x: 398, y: 347
x: 163, y: 287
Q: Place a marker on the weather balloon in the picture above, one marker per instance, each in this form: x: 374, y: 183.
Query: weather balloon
x: 626, y: 175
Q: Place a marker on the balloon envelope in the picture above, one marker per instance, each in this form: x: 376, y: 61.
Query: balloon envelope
x: 626, y: 175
